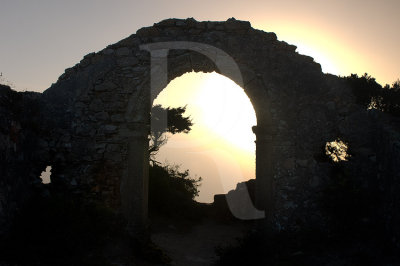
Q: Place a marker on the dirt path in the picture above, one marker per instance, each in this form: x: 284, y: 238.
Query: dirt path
x: 195, y: 245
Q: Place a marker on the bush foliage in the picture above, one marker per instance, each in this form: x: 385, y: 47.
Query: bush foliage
x: 372, y: 95
x: 172, y: 191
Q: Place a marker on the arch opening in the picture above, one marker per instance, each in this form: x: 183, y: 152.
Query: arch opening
x: 221, y: 145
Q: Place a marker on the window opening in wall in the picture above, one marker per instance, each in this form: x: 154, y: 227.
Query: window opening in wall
x: 46, y: 175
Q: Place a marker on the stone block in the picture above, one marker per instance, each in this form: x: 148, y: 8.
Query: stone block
x: 109, y: 129
x: 123, y: 51
x: 105, y: 86
x: 128, y: 61
x: 102, y: 116
x: 108, y: 51
x: 119, y: 118
x: 96, y: 105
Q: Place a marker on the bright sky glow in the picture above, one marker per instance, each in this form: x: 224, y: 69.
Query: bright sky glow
x: 223, y: 117
x: 325, y: 47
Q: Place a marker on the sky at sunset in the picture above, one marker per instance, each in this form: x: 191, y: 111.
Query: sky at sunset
x: 39, y: 39
x: 220, y: 147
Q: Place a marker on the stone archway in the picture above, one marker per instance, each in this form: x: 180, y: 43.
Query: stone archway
x: 103, y: 104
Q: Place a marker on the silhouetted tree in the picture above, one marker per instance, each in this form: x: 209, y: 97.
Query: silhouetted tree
x: 364, y: 88
x: 166, y: 120
x: 171, y: 191
x: 372, y: 95
x: 390, y: 99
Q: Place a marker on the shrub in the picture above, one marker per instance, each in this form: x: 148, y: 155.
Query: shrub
x: 372, y: 95
x: 58, y: 231
x: 171, y: 191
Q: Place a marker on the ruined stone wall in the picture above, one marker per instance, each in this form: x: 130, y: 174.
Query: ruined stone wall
x: 104, y: 100
x: 23, y: 152
x: 98, y: 117
x: 388, y: 163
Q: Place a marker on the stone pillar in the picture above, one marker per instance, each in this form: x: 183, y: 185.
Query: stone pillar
x: 264, y: 193
x: 135, y: 182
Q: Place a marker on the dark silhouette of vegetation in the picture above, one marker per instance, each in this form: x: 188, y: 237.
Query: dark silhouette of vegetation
x: 261, y: 248
x: 372, y: 95
x: 172, y: 192
x: 59, y: 231
x: 303, y: 248
x: 166, y: 120
x: 24, y: 107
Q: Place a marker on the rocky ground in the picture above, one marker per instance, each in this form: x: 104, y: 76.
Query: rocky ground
x: 58, y: 233
x: 196, y: 244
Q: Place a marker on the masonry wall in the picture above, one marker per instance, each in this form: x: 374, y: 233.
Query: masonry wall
x: 107, y: 98
x: 98, y: 118
x: 23, y: 152
x: 388, y: 158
